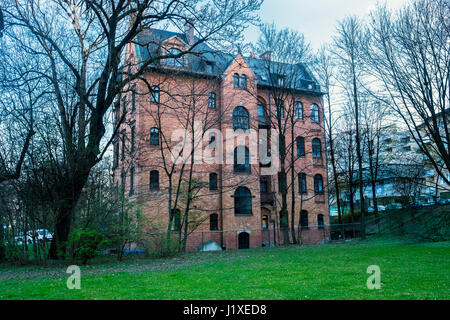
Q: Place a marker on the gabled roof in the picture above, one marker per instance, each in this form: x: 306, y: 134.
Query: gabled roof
x: 149, y: 42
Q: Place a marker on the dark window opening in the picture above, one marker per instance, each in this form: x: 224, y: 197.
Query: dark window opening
x: 300, y: 146
x: 240, y: 118
x: 154, y: 136
x: 241, y: 159
x: 320, y: 223
x: 316, y: 148
x: 304, y: 219
x: 154, y: 94
x: 302, y: 183
x: 318, y: 184
x: 154, y: 180
x: 213, y: 181
x: 242, y: 201
x: 213, y: 222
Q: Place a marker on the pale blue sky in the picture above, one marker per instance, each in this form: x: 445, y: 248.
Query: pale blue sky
x: 316, y: 19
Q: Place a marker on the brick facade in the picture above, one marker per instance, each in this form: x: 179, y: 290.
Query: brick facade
x: 181, y: 93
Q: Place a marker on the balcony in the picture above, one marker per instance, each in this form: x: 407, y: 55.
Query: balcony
x: 267, y: 198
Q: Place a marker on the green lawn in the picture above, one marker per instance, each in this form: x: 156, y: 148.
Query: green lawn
x: 335, y: 271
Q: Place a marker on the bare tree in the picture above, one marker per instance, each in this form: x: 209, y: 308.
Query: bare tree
x: 409, y: 54
x: 285, y: 53
x: 81, y: 46
x: 348, y: 45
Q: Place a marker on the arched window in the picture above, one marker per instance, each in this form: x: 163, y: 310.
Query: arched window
x: 213, y: 181
x: 304, y: 219
x: 154, y: 180
x: 302, y: 183
x: 213, y: 222
x: 236, y: 80
x: 320, y: 223
x: 242, y: 201
x: 265, y: 222
x: 243, y: 81
x: 174, y: 62
x: 316, y: 148
x: 154, y: 136
x: 298, y: 110
x: 240, y: 118
x: 241, y: 159
x: 318, y: 184
x: 315, y: 113
x: 300, y: 146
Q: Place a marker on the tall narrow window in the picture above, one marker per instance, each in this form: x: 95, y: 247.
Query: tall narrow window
x: 122, y: 138
x: 279, y: 108
x: 241, y: 159
x: 212, y: 100
x: 315, y: 113
x: 154, y: 94
x: 304, y: 219
x: 242, y: 201
x: 240, y: 118
x: 154, y: 180
x: 154, y: 136
x: 302, y: 183
x: 320, y: 223
x: 122, y: 179
x: 176, y: 226
x: 316, y: 148
x: 212, y: 140
x: 263, y: 185
x: 213, y: 181
x: 318, y: 184
x: 213, y: 222
x: 243, y: 81
x: 116, y: 154
x: 265, y: 222
x: 262, y: 118
x: 133, y: 99
x: 131, y: 181
x: 133, y: 138
x: 236, y: 80
x: 300, y: 146
x: 298, y: 110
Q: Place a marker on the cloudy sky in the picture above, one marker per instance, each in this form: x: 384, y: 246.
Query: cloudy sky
x: 316, y: 19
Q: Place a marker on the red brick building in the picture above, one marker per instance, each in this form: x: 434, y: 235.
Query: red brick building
x: 236, y: 206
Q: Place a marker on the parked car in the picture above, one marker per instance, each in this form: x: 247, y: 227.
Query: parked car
x: 372, y: 209
x: 393, y: 206
x: 443, y: 201
x: 416, y: 204
x: 44, y: 234
x: 39, y: 235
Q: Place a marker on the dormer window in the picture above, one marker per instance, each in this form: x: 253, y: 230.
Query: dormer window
x: 174, y: 62
x: 240, y: 81
x: 209, y: 66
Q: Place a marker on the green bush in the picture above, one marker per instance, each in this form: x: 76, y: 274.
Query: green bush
x: 84, y: 244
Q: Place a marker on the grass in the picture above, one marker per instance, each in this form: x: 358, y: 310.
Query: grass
x: 334, y: 271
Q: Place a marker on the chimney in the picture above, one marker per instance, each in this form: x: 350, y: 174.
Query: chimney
x: 189, y: 31
x: 266, y: 55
